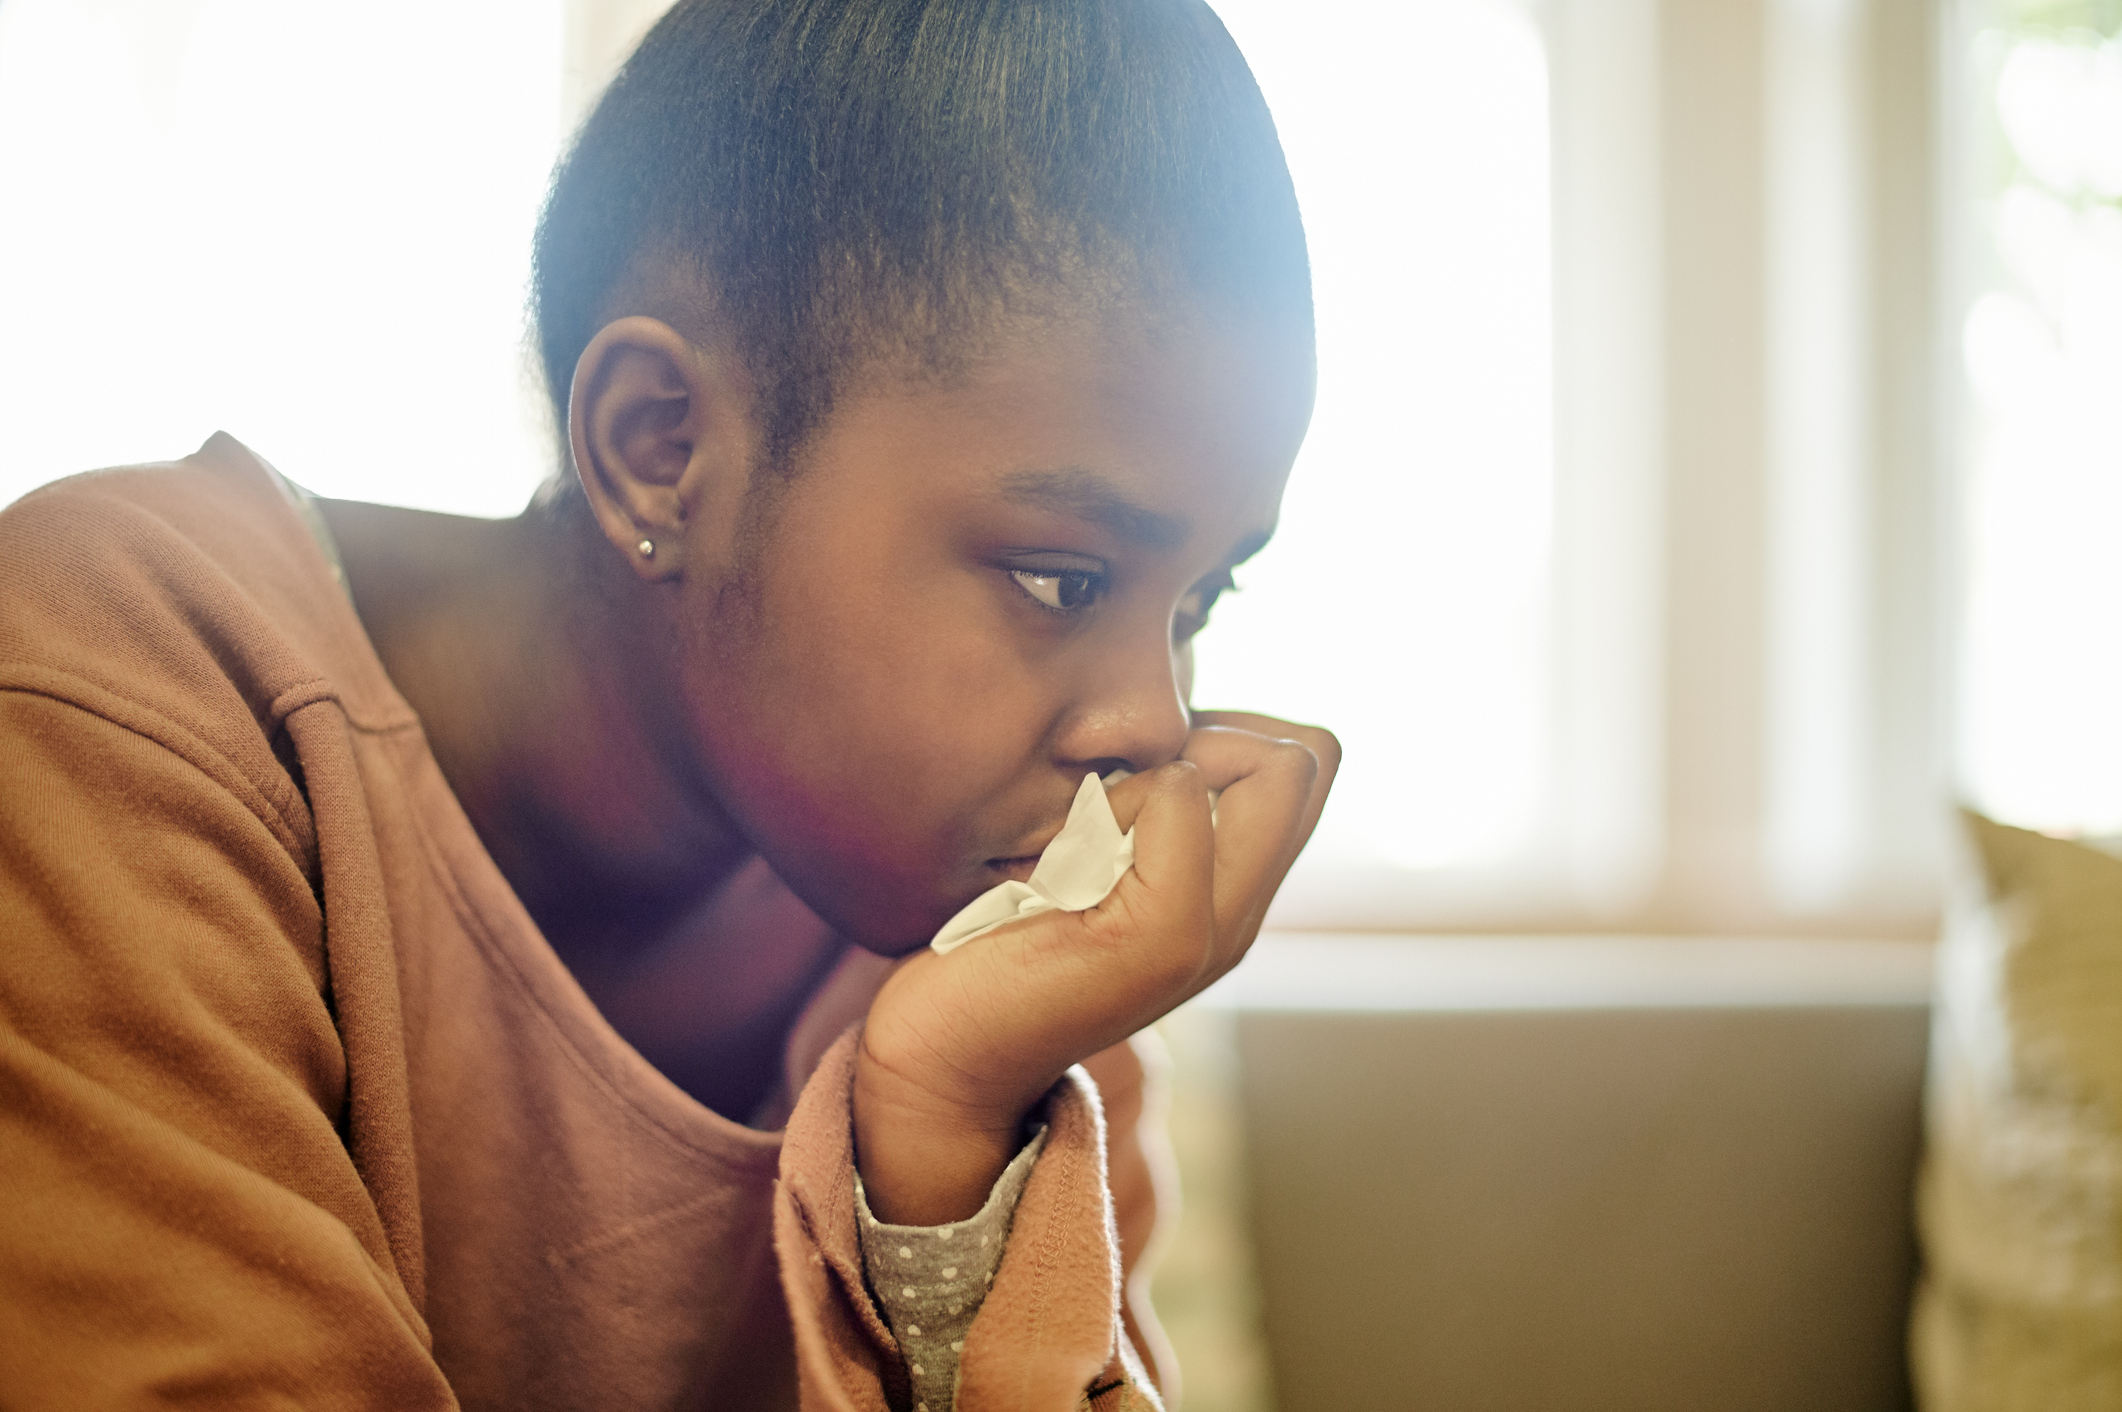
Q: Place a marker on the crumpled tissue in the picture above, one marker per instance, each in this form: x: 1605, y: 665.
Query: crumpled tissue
x: 1078, y: 870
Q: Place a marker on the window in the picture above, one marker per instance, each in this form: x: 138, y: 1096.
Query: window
x: 2042, y: 343
x: 1465, y: 584
x: 1404, y: 601
x: 298, y: 223
x: 1614, y: 555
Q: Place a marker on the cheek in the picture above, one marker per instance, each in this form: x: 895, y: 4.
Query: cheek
x: 901, y: 681
x: 863, y: 740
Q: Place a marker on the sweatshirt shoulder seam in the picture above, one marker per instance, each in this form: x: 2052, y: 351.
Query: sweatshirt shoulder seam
x: 270, y: 800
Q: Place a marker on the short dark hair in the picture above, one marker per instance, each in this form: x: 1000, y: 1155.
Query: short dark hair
x: 846, y: 175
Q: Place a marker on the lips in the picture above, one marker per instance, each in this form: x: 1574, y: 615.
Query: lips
x: 1018, y: 866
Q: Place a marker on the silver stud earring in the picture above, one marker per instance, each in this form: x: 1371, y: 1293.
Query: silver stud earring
x: 647, y: 548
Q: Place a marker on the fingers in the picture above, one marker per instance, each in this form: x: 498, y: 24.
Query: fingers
x: 1104, y: 973
x: 1223, y: 766
x: 1325, y: 749
x: 1266, y: 789
x: 1322, y: 744
x: 1128, y: 797
x: 1202, y: 891
x: 1175, y: 860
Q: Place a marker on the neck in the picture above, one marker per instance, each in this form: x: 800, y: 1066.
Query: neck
x: 523, y: 655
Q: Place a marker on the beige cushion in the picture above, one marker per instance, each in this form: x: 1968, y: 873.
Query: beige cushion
x: 2020, y: 1198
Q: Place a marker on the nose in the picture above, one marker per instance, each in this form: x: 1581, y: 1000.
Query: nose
x: 1131, y: 713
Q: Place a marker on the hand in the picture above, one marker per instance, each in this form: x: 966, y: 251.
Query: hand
x: 959, y: 1047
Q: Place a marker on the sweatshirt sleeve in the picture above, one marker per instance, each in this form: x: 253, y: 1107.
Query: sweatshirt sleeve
x: 1050, y: 1334
x: 931, y: 1280
x: 184, y: 1222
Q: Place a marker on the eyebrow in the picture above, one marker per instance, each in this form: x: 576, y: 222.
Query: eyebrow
x: 1092, y: 498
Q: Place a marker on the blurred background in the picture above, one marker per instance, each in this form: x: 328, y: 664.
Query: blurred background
x: 1717, y: 472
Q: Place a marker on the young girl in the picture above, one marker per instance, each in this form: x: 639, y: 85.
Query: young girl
x: 453, y: 963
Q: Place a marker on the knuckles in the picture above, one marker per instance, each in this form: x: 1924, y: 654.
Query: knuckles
x: 1177, y: 774
x: 1324, y: 745
x: 1277, y: 747
x: 1298, y: 756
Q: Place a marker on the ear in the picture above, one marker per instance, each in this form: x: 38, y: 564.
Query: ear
x: 660, y: 431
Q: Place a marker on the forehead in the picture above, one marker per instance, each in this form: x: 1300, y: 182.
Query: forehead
x: 1145, y: 429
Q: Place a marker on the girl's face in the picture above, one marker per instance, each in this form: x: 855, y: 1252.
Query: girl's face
x: 973, y: 594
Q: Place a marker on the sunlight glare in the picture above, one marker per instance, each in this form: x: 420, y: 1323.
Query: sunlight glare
x: 2043, y: 352
x: 305, y: 225
x: 1403, y: 602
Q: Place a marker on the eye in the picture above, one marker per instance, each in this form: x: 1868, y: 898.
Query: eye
x: 1193, y: 610
x: 1063, y: 590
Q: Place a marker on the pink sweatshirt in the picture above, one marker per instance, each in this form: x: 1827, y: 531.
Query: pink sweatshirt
x: 297, y: 1108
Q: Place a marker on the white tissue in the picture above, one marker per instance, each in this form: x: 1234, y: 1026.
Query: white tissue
x: 1078, y: 870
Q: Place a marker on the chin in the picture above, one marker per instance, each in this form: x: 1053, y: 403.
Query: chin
x: 889, y: 948
x: 888, y: 935
x: 882, y: 914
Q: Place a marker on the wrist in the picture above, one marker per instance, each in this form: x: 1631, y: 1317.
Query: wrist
x: 926, y: 1161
